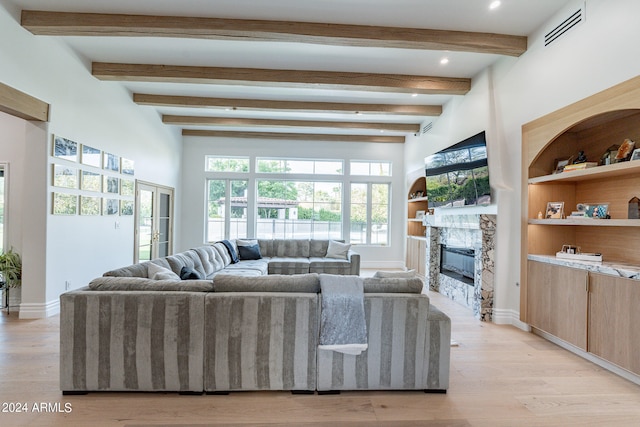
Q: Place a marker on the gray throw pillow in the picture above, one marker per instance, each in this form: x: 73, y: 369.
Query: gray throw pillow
x: 337, y: 250
x: 248, y: 249
x: 156, y: 272
x: 376, y: 285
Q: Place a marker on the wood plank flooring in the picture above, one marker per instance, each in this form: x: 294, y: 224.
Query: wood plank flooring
x: 500, y: 376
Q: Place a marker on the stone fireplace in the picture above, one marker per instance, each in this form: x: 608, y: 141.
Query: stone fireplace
x: 460, y: 260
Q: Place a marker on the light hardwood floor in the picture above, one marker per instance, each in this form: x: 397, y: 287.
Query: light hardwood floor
x: 500, y: 376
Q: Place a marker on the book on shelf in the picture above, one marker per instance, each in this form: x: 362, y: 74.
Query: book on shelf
x: 579, y: 166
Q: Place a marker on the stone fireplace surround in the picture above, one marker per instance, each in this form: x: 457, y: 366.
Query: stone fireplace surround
x: 473, y: 231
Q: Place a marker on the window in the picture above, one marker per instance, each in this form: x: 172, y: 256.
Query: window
x: 226, y: 209
x: 299, y: 209
x: 369, y: 222
x: 295, y: 166
x: 366, y: 168
x: 227, y: 164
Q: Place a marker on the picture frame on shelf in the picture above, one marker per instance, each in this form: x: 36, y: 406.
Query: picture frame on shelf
x: 596, y: 210
x: 608, y: 157
x: 636, y: 154
x: 420, y: 214
x: 555, y: 210
x: 559, y: 164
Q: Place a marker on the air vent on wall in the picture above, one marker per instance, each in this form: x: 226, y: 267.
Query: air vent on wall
x: 426, y: 128
x: 575, y: 18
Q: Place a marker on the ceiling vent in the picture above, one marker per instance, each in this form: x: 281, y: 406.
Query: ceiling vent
x: 575, y: 18
x: 426, y: 128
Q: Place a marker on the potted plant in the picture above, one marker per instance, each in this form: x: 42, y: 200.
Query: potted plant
x: 11, y: 272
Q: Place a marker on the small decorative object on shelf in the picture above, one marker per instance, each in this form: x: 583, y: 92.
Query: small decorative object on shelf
x: 419, y: 214
x: 581, y: 158
x: 634, y: 208
x: 624, y: 152
x: 596, y: 210
x: 555, y: 210
x: 636, y: 154
x: 608, y: 157
x: 574, y: 253
x: 540, y: 216
x: 580, y: 166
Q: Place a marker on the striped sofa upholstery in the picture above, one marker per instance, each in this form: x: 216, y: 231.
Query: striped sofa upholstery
x: 261, y: 341
x: 409, y: 345
x: 131, y: 341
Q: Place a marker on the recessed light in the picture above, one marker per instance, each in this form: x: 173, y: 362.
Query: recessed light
x: 414, y: 95
x: 494, y: 4
x: 444, y: 61
x: 381, y: 130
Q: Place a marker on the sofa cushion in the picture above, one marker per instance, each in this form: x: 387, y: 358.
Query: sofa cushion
x: 185, y: 259
x: 259, y: 265
x: 329, y: 266
x: 210, y: 258
x: 318, y: 248
x: 288, y: 248
x: 398, y: 285
x: 288, y: 265
x: 338, y: 250
x: 142, y: 284
x: 395, y: 274
x: 307, y: 283
x: 156, y: 272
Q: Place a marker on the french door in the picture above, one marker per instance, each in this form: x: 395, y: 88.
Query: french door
x: 154, y: 222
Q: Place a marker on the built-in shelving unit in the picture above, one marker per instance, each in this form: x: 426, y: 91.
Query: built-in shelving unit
x: 416, y: 242
x: 567, y: 303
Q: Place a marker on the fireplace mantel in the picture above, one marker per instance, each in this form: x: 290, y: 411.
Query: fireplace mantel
x: 473, y: 231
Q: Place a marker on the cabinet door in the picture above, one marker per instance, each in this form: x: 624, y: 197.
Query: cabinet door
x: 614, y: 320
x: 557, y: 301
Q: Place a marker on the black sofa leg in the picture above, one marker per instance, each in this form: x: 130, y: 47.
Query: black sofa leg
x: 327, y: 392
x: 74, y: 392
x: 302, y: 391
x: 432, y: 391
x: 218, y: 393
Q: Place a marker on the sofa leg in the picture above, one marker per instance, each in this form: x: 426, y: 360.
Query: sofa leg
x: 74, y: 392
x: 218, y: 393
x: 327, y: 392
x: 436, y: 391
x: 302, y: 391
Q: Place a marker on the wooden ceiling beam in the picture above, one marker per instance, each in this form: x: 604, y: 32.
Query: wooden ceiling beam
x: 95, y: 24
x: 295, y: 136
x: 298, y: 106
x: 232, y: 121
x: 335, y: 80
x: 19, y: 104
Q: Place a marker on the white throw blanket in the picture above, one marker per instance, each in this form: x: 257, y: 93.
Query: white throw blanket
x: 342, y: 324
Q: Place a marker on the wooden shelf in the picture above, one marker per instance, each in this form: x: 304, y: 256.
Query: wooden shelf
x: 588, y: 222
x: 607, y: 171
x: 419, y: 199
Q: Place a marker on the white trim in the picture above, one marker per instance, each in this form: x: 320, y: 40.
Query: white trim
x: 509, y: 317
x: 589, y: 356
x: 39, y: 310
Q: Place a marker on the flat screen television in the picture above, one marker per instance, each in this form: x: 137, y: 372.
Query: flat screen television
x: 459, y: 175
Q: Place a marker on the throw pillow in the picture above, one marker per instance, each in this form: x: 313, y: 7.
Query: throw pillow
x: 187, y: 273
x: 157, y: 272
x: 395, y: 274
x: 248, y: 249
x: 337, y: 250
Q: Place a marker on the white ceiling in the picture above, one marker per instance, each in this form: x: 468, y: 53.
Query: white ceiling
x: 513, y: 17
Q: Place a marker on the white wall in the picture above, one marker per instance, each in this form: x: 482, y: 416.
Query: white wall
x: 57, y: 249
x: 593, y: 56
x: 193, y: 211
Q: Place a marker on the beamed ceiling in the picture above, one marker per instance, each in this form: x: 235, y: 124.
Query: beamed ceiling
x: 333, y: 70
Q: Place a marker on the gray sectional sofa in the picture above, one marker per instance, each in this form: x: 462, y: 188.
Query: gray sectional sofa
x: 229, y: 332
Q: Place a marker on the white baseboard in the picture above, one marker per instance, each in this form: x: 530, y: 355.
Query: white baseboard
x: 39, y: 311
x: 382, y: 265
x: 509, y: 317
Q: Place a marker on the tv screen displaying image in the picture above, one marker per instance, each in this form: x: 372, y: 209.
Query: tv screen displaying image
x: 459, y: 175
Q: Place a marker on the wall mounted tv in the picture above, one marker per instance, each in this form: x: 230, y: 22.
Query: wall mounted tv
x: 459, y: 175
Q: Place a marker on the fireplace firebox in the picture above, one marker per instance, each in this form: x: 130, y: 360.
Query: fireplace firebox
x: 458, y: 263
